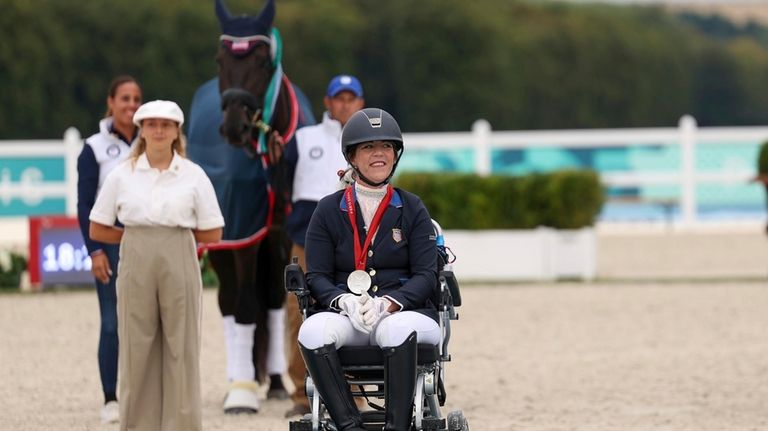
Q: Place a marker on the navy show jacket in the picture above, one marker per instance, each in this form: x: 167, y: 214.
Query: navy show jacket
x: 402, y: 259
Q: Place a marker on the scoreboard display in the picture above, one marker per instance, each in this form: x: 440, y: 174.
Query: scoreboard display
x: 57, y: 252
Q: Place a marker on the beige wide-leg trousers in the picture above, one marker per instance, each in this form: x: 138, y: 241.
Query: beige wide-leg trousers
x: 159, y: 293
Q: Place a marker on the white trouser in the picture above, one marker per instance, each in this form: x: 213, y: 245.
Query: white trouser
x: 333, y: 328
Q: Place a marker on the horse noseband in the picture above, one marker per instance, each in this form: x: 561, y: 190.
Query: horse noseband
x: 239, y: 95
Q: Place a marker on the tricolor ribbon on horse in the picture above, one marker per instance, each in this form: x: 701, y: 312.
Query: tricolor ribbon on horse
x: 273, y: 91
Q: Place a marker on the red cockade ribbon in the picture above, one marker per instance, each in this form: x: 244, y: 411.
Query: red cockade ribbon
x: 360, y: 256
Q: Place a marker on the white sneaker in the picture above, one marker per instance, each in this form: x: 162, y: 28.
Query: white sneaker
x: 242, y: 398
x: 110, y: 413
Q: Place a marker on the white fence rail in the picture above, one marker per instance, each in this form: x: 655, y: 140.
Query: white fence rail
x: 30, y: 186
x: 481, y: 141
x: 688, y: 136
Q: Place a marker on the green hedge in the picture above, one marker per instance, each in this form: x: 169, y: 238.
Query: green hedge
x: 12, y: 265
x: 568, y: 199
x: 762, y: 159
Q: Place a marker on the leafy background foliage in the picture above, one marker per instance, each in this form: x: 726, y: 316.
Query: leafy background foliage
x: 566, y: 199
x: 435, y: 64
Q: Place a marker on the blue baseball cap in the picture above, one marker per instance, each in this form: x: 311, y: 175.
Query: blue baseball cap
x: 345, y: 83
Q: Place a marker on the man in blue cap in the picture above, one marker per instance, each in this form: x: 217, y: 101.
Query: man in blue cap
x: 317, y: 160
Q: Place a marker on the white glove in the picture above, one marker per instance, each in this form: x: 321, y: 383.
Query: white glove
x: 374, y: 310
x: 350, y: 304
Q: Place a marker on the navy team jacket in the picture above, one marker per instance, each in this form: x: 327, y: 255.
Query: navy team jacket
x: 402, y: 259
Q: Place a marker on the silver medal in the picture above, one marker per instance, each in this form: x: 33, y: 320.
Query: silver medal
x: 358, y: 282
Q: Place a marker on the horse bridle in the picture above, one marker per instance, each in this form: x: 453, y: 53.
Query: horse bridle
x: 261, y: 118
x: 257, y: 122
x: 239, y: 47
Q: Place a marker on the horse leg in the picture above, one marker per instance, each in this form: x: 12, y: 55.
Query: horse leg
x: 234, y: 269
x: 272, y: 260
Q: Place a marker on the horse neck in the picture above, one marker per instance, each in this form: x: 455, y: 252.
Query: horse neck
x: 281, y: 118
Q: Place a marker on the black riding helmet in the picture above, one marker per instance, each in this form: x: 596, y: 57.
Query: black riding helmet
x: 367, y: 125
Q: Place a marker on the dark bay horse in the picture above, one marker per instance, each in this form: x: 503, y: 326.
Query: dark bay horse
x: 256, y: 109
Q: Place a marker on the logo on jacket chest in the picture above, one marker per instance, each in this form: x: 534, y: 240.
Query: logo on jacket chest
x: 113, y: 151
x: 315, y: 153
x: 397, y: 235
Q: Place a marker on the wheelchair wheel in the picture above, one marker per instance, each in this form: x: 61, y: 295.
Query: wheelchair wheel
x: 457, y: 421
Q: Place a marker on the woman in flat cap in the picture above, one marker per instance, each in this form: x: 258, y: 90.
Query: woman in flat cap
x: 167, y: 205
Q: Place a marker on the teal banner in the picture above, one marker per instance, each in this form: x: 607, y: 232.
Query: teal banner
x: 21, y: 179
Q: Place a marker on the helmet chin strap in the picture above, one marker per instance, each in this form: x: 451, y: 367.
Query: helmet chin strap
x: 367, y: 181
x: 380, y: 183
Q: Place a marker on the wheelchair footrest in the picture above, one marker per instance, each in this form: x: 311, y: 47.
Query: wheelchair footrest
x: 300, y: 425
x: 372, y: 416
x: 433, y: 424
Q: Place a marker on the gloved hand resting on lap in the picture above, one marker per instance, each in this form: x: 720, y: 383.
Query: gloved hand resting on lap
x: 350, y: 305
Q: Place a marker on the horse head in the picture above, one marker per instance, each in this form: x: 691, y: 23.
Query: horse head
x: 245, y: 70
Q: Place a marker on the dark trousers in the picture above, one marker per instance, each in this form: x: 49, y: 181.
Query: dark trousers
x: 108, y: 343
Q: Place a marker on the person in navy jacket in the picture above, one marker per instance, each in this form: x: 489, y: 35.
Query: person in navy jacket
x: 101, y: 153
x: 378, y: 240
x: 316, y: 160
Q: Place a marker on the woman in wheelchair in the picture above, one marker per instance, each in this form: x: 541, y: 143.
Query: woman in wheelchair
x: 379, y: 241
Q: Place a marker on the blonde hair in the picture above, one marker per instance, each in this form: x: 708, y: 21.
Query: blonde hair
x: 139, y: 146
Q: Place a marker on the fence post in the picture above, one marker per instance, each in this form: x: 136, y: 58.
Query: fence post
x: 688, y: 128
x: 73, y: 144
x: 481, y: 142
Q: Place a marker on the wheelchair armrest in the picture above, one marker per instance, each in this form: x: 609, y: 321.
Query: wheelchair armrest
x: 453, y: 286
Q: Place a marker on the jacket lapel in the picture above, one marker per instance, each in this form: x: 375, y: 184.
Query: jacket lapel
x: 388, y: 221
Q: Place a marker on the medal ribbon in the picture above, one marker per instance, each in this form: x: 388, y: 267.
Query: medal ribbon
x: 360, y: 256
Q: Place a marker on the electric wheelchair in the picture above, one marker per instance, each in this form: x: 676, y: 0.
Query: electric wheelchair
x: 363, y: 366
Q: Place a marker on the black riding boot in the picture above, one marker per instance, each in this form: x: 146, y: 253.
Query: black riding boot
x: 400, y: 384
x: 324, y: 366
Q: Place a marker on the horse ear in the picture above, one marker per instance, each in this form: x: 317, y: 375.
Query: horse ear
x: 267, y: 14
x: 243, y: 25
x: 222, y: 13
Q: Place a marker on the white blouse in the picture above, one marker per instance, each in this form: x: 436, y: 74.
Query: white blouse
x: 140, y: 195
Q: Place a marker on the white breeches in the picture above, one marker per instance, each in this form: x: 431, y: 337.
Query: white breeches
x: 333, y: 328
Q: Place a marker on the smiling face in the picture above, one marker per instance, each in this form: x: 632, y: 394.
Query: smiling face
x: 159, y: 133
x: 123, y: 104
x: 374, y: 160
